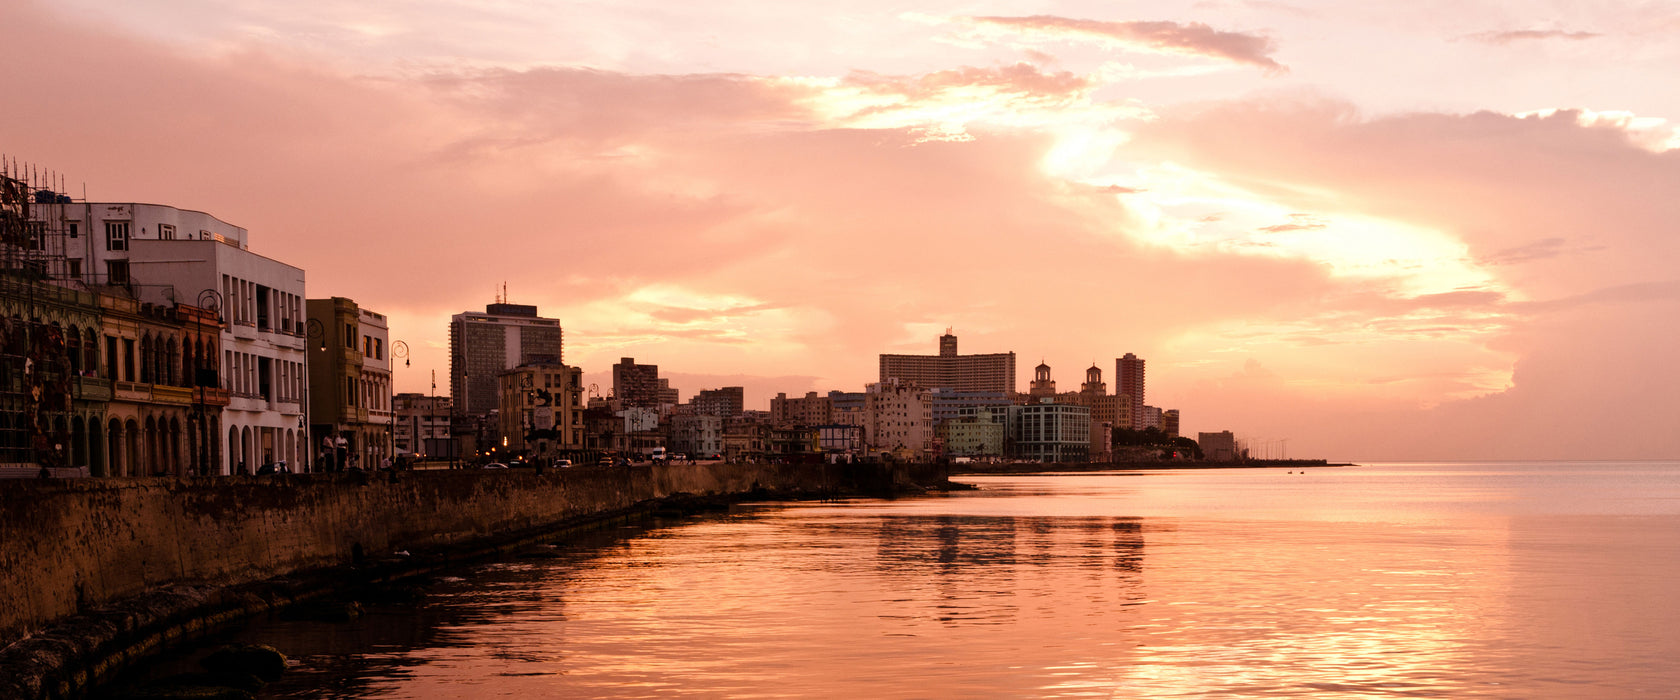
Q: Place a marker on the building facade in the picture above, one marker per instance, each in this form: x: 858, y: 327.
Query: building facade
x: 698, y: 435
x: 728, y: 401
x: 1050, y: 432
x: 812, y: 409
x: 976, y: 432
x: 541, y: 414
x: 350, y: 393
x: 898, y: 417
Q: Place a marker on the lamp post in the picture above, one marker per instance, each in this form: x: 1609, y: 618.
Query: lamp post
x: 399, y: 351
x: 312, y: 330
x: 205, y: 377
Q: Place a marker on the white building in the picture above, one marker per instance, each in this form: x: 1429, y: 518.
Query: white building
x: 166, y: 255
x: 898, y: 415
x: 697, y: 435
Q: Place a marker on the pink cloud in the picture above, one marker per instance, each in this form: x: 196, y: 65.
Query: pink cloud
x: 1513, y: 36
x: 1190, y: 38
x: 1569, y: 217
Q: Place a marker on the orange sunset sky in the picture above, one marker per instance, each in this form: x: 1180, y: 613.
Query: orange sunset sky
x: 1428, y: 230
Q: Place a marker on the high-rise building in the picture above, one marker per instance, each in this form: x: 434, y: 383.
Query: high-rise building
x: 639, y: 385
x: 1129, y: 383
x: 948, y: 370
x: 727, y: 402
x: 483, y: 345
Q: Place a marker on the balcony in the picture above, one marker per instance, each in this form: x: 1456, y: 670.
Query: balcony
x: 213, y: 396
x: 92, y: 389
x: 178, y: 395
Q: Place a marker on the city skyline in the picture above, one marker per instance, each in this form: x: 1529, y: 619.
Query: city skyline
x: 1305, y: 228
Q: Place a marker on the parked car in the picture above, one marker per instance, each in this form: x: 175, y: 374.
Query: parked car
x: 495, y: 465
x: 562, y: 463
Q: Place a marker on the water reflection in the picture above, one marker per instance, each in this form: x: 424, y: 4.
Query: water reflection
x: 1433, y: 581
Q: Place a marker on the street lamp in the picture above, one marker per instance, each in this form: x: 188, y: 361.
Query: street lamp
x: 399, y: 351
x: 204, y: 377
x: 312, y: 330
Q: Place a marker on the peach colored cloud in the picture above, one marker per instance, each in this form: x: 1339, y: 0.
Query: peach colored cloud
x: 1188, y: 38
x: 1513, y: 36
x: 1569, y: 215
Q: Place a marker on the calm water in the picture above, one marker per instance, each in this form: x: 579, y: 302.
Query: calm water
x: 1400, y: 580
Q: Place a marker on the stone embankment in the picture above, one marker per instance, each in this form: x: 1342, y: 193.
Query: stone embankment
x: 101, y: 572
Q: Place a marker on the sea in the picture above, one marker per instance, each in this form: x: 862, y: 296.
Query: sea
x: 1431, y: 580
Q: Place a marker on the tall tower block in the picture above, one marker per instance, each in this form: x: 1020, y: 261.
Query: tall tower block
x: 1128, y: 382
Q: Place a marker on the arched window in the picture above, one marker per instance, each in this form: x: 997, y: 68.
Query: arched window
x: 172, y: 364
x: 73, y: 348
x: 146, y: 359
x: 90, y: 353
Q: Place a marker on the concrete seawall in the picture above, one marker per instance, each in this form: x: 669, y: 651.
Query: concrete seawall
x: 71, y: 548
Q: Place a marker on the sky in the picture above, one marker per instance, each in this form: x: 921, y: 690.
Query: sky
x: 1356, y: 231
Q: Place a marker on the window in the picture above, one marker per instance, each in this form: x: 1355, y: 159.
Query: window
x: 350, y: 337
x: 75, y: 229
x: 35, y: 235
x: 262, y: 307
x: 75, y: 268
x: 116, y: 235
x: 166, y: 232
x: 116, y: 271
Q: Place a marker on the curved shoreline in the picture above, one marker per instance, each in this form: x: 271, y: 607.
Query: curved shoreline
x: 84, y: 652
x: 209, y: 552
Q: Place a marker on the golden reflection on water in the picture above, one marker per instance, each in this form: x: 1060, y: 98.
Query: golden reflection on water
x: 1420, y: 581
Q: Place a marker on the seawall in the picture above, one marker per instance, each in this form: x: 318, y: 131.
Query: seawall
x: 74, y: 550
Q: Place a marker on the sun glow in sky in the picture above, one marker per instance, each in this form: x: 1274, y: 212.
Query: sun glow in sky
x: 1424, y: 230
